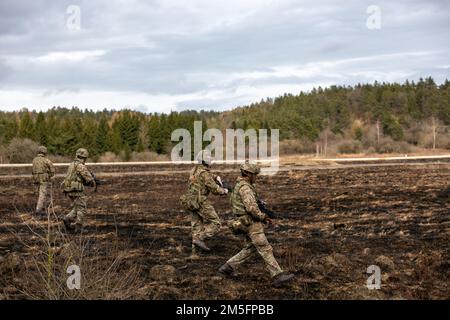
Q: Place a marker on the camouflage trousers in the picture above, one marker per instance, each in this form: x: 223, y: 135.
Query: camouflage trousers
x: 44, y: 196
x: 205, y: 222
x: 256, y: 242
x: 78, y: 209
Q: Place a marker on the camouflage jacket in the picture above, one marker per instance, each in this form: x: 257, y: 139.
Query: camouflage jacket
x: 77, y: 177
x: 202, y: 183
x: 243, y: 200
x: 43, y: 169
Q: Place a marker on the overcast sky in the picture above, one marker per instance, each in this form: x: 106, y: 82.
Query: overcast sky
x: 158, y: 56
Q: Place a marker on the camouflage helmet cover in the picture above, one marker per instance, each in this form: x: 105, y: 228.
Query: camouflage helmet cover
x: 42, y: 150
x: 82, y: 153
x: 205, y: 157
x: 250, y: 167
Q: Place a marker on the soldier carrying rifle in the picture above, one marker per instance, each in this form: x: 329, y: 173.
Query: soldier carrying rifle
x: 205, y: 222
x: 77, y: 177
x: 249, y: 222
x: 43, y: 172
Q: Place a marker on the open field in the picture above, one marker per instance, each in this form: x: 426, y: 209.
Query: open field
x: 336, y: 221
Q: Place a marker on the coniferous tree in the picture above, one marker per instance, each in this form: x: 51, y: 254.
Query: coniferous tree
x: 41, y: 129
x: 26, y: 127
x: 102, y: 144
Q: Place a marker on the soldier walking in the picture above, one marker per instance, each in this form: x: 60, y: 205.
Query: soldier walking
x: 43, y: 172
x: 205, y: 222
x: 78, y: 176
x: 249, y: 222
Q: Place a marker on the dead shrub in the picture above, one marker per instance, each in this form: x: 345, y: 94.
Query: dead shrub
x: 105, y: 272
x: 109, y: 157
x: 60, y: 159
x: 148, y: 156
x: 296, y: 146
x: 387, y: 145
x: 350, y: 146
x: 21, y: 150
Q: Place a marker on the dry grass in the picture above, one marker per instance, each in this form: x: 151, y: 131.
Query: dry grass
x: 105, y: 271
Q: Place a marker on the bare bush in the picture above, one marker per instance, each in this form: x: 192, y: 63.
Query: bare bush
x: 387, y: 145
x: 60, y: 159
x: 133, y: 156
x: 21, y: 150
x: 105, y: 273
x: 425, y: 140
x: 350, y: 146
x: 148, y: 156
x: 3, y: 157
x: 109, y: 157
x: 296, y: 146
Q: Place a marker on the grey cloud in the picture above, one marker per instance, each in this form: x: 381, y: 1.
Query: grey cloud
x: 167, y: 48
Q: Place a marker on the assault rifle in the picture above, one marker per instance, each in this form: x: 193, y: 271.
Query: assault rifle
x: 97, y: 181
x: 262, y: 205
x: 227, y: 186
x: 224, y: 184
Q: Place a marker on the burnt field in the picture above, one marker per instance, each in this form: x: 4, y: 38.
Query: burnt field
x: 334, y: 223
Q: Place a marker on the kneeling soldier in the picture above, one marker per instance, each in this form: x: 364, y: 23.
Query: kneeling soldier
x: 249, y: 222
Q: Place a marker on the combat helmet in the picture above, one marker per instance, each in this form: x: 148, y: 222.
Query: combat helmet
x: 204, y: 157
x: 82, y: 153
x: 42, y: 150
x: 250, y: 168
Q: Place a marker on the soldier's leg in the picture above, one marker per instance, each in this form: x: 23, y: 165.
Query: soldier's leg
x: 196, y: 229
x: 71, y: 216
x: 260, y: 242
x: 81, y: 208
x: 43, y: 191
x: 48, y: 194
x: 210, y: 220
x: 243, y: 255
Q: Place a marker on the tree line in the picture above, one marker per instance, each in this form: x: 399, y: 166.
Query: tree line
x: 410, y: 113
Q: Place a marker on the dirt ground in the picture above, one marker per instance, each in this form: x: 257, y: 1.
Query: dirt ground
x: 334, y: 223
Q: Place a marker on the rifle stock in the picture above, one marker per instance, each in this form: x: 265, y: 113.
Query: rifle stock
x: 97, y: 181
x: 263, y: 207
x: 225, y: 185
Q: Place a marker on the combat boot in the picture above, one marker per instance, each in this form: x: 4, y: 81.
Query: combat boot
x: 79, y: 228
x: 67, y: 224
x: 200, y: 244
x: 282, y: 279
x: 194, y: 252
x: 227, y: 270
x: 40, y: 213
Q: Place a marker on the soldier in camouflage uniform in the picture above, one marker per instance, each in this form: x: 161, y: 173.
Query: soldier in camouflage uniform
x: 205, y: 222
x: 78, y: 176
x: 43, y: 172
x: 249, y: 222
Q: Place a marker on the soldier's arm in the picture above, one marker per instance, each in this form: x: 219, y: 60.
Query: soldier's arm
x: 251, y: 206
x: 51, y: 168
x: 85, y: 174
x: 211, y: 184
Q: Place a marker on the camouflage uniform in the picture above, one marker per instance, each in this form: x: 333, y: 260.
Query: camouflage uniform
x: 249, y: 223
x: 43, y: 171
x: 77, y: 177
x: 205, y: 222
